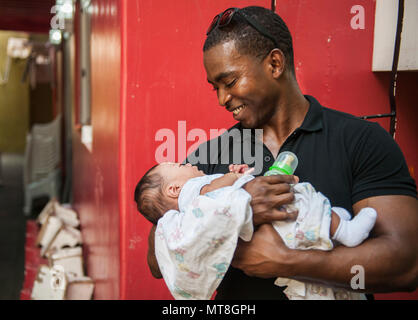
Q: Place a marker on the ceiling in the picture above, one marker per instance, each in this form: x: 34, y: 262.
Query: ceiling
x: 26, y: 15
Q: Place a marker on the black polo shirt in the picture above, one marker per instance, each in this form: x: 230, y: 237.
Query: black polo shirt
x: 343, y: 157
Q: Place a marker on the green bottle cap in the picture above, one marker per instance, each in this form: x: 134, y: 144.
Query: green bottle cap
x: 285, y: 169
x: 286, y: 163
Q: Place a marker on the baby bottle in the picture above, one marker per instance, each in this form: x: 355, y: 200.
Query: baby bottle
x: 286, y: 163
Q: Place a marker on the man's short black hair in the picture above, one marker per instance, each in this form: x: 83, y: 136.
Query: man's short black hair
x: 249, y: 41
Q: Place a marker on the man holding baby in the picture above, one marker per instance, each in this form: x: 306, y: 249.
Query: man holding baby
x: 248, y: 57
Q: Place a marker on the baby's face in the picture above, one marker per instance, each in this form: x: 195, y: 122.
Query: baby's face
x: 178, y: 173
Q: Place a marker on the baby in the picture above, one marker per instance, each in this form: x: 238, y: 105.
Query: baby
x: 172, y: 189
x: 159, y: 190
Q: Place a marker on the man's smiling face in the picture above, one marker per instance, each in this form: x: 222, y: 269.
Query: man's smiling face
x: 244, y: 84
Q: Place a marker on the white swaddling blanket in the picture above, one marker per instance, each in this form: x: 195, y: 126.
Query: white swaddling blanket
x: 311, y: 230
x: 194, y: 246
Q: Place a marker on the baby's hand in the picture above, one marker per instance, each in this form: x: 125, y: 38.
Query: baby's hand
x: 238, y: 168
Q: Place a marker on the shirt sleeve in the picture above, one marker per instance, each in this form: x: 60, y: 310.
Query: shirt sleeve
x: 378, y: 166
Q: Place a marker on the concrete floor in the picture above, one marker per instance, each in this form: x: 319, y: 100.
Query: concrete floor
x: 12, y: 227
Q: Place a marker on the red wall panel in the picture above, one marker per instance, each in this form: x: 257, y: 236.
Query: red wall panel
x: 164, y: 82
x: 96, y: 173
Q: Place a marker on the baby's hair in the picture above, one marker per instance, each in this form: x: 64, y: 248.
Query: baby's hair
x: 149, y: 197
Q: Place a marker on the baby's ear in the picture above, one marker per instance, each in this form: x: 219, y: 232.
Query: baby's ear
x: 173, y: 190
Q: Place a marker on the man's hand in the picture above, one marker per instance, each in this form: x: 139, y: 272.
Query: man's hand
x: 389, y: 256
x: 265, y: 256
x: 268, y: 195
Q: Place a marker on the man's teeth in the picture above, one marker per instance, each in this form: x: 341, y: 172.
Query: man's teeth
x: 238, y: 110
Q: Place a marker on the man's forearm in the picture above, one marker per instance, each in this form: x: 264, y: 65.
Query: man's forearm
x: 388, y: 257
x: 387, y: 266
x: 151, y: 259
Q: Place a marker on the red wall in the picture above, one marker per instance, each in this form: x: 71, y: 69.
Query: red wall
x: 96, y: 173
x: 162, y: 81
x: 165, y: 82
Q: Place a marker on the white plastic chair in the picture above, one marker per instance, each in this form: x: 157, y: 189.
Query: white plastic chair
x: 41, y: 173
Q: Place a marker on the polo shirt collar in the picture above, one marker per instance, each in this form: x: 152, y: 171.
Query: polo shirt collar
x: 313, y: 119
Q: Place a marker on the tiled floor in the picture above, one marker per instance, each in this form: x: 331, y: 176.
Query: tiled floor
x: 12, y: 227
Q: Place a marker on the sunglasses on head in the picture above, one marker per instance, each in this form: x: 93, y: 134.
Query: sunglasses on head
x: 224, y: 18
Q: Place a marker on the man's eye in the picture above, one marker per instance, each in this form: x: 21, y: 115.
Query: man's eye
x: 229, y: 85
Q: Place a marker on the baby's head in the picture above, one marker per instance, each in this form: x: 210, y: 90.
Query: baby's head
x: 159, y: 189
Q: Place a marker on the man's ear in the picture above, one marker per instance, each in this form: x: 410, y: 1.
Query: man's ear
x: 277, y: 62
x: 173, y: 190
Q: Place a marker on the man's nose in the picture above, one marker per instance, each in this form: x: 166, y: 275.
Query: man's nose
x: 224, y: 98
